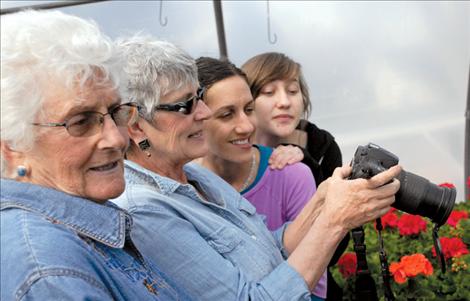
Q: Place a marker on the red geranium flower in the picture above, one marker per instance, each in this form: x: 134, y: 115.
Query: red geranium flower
x: 398, y: 272
x: 347, y: 264
x: 451, y: 247
x: 455, y: 216
x: 448, y: 185
x: 390, y: 219
x: 410, y: 266
x: 409, y: 224
x: 416, y: 264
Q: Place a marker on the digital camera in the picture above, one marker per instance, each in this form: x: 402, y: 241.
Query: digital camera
x: 416, y: 194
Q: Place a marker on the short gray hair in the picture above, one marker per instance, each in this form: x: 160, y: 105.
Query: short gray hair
x: 153, y: 68
x: 40, y: 47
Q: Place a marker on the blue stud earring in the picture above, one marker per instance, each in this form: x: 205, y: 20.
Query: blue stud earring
x: 21, y: 170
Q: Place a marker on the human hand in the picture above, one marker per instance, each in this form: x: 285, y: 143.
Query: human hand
x: 284, y: 155
x: 351, y: 203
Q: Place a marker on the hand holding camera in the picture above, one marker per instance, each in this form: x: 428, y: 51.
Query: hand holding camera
x: 361, y: 200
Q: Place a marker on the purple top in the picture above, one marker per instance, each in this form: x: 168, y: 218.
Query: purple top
x: 280, y: 195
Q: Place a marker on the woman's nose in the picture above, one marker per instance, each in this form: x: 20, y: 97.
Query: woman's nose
x: 113, y: 136
x: 244, y: 125
x: 283, y: 99
x: 202, y: 111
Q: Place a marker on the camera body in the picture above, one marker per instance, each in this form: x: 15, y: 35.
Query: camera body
x: 371, y: 160
x: 416, y: 194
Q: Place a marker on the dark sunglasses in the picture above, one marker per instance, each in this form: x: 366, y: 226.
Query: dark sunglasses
x: 185, y: 107
x: 89, y: 123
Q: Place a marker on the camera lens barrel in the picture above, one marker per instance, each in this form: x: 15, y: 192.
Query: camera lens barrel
x: 416, y: 194
x: 419, y: 196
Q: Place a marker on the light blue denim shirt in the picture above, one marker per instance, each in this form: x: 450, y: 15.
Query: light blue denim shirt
x: 55, y: 246
x: 218, y: 249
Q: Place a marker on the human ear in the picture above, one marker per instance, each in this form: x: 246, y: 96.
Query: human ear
x: 136, y: 131
x: 14, y: 161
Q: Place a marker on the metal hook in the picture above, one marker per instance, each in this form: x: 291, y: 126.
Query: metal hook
x: 274, y: 39
x: 163, y: 22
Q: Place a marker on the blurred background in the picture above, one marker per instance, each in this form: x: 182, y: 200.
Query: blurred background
x: 391, y: 73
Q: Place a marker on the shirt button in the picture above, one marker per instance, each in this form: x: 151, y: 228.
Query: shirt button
x: 254, y: 237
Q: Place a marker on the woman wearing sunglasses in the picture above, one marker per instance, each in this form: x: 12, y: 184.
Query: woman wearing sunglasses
x: 64, y: 134
x: 214, y: 242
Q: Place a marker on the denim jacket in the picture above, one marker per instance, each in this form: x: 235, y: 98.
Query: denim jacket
x: 218, y: 249
x: 55, y: 246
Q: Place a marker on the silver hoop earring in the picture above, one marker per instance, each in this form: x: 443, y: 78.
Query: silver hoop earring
x: 21, y: 170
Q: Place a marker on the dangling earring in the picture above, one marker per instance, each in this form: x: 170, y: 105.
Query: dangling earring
x: 144, y: 145
x: 21, y: 170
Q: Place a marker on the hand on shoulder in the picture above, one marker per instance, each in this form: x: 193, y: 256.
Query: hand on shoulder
x: 285, y: 155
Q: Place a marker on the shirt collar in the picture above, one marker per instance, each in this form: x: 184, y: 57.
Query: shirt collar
x: 105, y: 223
x: 136, y: 174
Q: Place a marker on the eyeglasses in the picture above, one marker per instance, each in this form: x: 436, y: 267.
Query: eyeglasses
x: 89, y: 123
x: 185, y: 107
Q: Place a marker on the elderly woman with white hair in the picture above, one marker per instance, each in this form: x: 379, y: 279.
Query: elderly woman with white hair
x: 63, y: 138
x: 215, y: 244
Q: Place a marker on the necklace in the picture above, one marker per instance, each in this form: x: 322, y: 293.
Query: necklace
x: 251, y: 174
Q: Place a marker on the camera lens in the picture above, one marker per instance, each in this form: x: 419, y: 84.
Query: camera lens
x: 419, y: 196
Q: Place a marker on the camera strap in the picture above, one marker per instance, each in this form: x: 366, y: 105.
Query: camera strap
x: 365, y: 285
x: 437, y: 246
x: 388, y: 294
